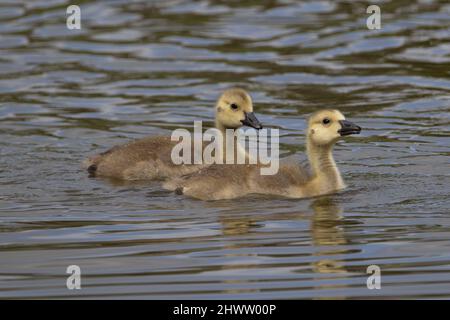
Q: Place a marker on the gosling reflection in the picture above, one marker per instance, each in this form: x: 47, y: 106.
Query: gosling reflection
x: 248, y: 254
x: 327, y: 235
x: 242, y: 237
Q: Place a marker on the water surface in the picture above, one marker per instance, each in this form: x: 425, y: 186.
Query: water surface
x: 145, y: 68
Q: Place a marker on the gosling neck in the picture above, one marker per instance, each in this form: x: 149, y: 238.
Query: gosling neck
x: 324, y: 169
x: 220, y: 127
x: 235, y: 145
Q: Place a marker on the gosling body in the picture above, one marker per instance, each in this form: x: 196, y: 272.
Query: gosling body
x: 322, y: 177
x: 150, y: 157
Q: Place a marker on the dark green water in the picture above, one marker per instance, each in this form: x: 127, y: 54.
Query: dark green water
x: 145, y: 68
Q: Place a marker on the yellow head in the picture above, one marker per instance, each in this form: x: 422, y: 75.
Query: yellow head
x: 235, y: 109
x: 325, y: 127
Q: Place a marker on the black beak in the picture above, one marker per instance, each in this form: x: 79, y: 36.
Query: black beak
x: 348, y: 128
x: 251, y: 121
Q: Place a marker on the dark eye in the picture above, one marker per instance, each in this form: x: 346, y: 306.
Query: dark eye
x: 234, y: 106
x: 326, y: 121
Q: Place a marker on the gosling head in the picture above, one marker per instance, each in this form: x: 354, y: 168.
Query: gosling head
x: 235, y: 109
x: 325, y: 127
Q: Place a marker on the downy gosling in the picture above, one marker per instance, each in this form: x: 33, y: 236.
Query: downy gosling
x: 150, y: 158
x: 216, y: 182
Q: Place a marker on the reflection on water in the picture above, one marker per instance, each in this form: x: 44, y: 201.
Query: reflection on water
x: 327, y: 232
x: 145, y: 68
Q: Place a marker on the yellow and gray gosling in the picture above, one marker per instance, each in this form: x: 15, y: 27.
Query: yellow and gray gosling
x: 216, y: 182
x: 150, y: 158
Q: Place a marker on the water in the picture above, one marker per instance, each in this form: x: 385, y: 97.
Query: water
x: 137, y: 69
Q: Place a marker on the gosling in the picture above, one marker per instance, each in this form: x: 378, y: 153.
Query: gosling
x: 150, y: 158
x: 216, y: 182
